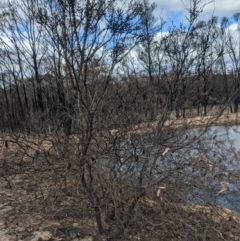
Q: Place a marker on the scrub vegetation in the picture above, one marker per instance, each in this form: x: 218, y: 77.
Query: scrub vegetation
x: 106, y: 116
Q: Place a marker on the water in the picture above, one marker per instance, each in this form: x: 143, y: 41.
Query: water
x: 220, y: 182
x: 201, y: 167
x: 206, y: 163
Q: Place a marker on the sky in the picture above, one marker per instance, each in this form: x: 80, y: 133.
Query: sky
x: 175, y: 10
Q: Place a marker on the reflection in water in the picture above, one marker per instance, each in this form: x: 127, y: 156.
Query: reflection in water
x: 219, y: 172
x: 200, y: 169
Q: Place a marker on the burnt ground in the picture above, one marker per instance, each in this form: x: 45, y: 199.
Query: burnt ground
x: 34, y: 207
x: 40, y: 199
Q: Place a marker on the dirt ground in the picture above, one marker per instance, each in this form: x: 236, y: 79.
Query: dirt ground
x: 40, y: 199
x: 35, y: 207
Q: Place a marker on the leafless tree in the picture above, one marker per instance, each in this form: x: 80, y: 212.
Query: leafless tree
x: 96, y: 131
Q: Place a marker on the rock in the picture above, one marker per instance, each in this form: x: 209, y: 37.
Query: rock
x: 43, y: 236
x: 76, y: 225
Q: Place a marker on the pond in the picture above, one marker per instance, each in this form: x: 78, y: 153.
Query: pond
x: 217, y: 174
x: 199, y: 166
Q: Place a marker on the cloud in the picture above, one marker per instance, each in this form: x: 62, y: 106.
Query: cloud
x: 2, y: 2
x: 218, y: 8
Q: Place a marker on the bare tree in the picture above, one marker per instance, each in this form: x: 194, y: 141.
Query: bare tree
x: 101, y: 150
x: 232, y: 51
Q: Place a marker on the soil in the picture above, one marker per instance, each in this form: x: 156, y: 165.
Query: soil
x: 40, y: 199
x: 35, y: 204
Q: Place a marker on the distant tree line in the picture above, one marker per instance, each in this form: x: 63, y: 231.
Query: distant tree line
x: 55, y: 60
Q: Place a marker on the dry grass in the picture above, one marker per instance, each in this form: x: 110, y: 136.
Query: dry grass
x: 45, y: 144
x: 35, y: 206
x: 187, y: 123
x: 34, y: 199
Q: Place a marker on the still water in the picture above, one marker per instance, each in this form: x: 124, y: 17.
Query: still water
x: 199, y: 166
x: 220, y: 177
